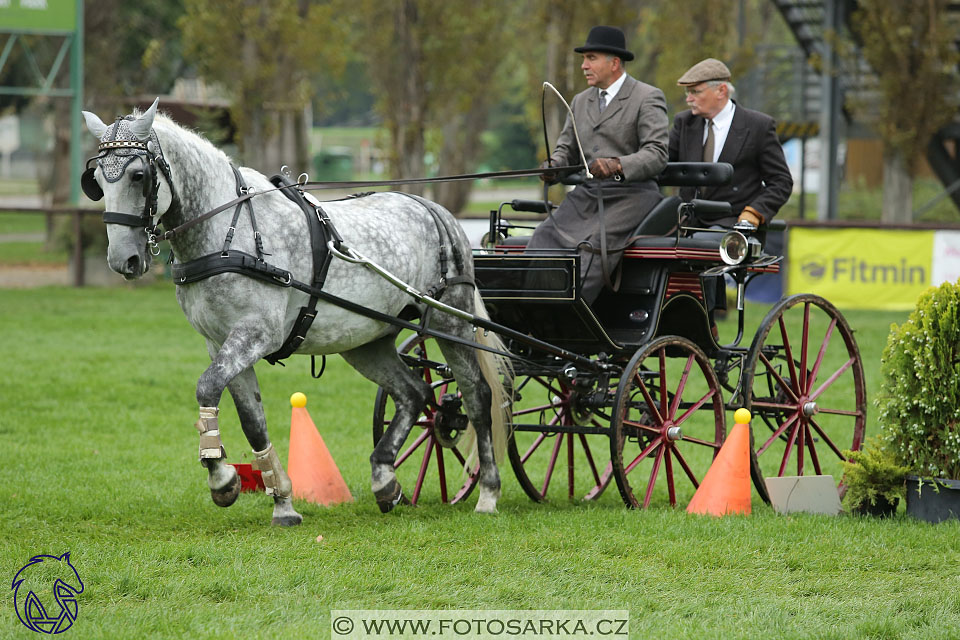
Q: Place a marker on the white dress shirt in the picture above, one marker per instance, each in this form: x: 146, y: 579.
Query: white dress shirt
x: 721, y: 127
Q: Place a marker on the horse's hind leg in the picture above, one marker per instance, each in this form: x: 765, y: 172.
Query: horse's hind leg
x: 477, y: 396
x: 245, y: 391
x: 378, y: 361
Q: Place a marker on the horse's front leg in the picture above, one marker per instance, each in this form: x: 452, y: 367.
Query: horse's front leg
x: 243, y: 347
x: 245, y: 391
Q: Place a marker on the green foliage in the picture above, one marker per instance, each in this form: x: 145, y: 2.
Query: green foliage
x: 872, y: 474
x: 919, y: 397
x: 911, y: 46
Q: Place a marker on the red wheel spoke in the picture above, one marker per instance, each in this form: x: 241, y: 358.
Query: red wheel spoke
x: 802, y: 380
x: 801, y: 439
x: 653, y: 476
x: 651, y: 404
x: 645, y: 427
x: 440, y: 469
x: 643, y: 454
x: 681, y: 386
x: 550, y: 466
x: 570, y: 466
x: 686, y: 467
x: 774, y: 405
x: 840, y: 412
x: 694, y: 407
x: 789, y: 354
x: 537, y: 409
x: 705, y: 443
x: 662, y: 357
x: 823, y: 350
x: 533, y: 447
x: 416, y: 443
x: 813, y: 453
x: 783, y: 383
x: 786, y: 451
x: 586, y: 450
x: 671, y: 490
x: 829, y: 381
x: 827, y: 439
x: 423, y: 471
x: 778, y: 432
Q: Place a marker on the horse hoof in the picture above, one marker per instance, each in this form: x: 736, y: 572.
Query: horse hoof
x: 227, y: 495
x: 390, y: 496
x: 290, y: 520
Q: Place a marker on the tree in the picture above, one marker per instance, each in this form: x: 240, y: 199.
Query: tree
x: 436, y: 71
x: 911, y: 46
x: 264, y: 53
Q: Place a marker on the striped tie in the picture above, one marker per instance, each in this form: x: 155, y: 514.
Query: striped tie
x: 603, y: 100
x: 708, y: 145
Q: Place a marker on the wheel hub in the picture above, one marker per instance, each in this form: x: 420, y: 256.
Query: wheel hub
x: 810, y: 409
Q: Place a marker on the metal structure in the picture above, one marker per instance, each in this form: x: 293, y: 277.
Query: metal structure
x: 54, y: 19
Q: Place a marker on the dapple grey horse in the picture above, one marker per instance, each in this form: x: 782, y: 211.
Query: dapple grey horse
x: 244, y: 319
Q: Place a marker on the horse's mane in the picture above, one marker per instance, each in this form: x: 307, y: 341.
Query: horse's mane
x: 189, y: 154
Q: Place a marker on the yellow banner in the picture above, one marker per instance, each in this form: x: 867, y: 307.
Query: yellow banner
x: 860, y: 268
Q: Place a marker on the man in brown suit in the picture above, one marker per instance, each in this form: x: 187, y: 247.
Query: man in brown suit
x: 716, y: 129
x: 623, y: 126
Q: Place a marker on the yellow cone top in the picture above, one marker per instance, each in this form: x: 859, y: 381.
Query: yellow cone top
x: 742, y: 416
x: 298, y: 400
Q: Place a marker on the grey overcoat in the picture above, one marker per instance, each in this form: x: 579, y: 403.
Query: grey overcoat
x: 634, y: 128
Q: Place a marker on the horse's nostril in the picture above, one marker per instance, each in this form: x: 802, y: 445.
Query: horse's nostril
x: 133, y: 266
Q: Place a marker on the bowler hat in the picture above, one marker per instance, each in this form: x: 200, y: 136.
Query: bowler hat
x: 607, y: 40
x: 704, y: 71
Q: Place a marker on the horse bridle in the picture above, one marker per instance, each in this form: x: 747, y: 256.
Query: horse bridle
x: 150, y: 159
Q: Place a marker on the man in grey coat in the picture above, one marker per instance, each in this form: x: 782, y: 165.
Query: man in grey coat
x: 623, y: 126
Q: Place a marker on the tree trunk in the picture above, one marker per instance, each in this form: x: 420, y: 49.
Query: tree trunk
x: 407, y: 134
x: 897, y: 188
x: 461, y: 145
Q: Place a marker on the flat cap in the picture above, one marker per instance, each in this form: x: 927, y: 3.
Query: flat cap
x: 704, y: 71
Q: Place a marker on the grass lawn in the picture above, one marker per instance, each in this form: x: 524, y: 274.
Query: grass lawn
x: 96, y: 412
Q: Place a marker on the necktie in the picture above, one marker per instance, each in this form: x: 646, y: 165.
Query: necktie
x: 708, y: 145
x: 603, y: 100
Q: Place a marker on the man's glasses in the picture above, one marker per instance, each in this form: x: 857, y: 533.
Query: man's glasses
x: 695, y: 92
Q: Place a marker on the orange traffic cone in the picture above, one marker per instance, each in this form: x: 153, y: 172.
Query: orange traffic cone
x: 726, y: 487
x: 311, y: 468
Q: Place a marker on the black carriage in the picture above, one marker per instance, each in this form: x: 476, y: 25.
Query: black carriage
x: 642, y: 372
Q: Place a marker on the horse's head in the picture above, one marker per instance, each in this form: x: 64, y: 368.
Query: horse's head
x: 133, y: 177
x: 32, y: 586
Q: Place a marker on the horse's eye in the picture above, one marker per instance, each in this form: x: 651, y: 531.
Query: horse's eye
x: 137, y: 175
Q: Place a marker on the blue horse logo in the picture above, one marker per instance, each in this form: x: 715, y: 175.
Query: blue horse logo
x: 36, y: 577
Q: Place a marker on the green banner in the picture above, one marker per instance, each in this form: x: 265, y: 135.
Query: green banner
x: 38, y: 16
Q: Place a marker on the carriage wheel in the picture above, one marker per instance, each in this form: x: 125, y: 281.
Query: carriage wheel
x: 803, y: 380
x: 668, y: 422
x: 426, y: 443
x: 542, y: 403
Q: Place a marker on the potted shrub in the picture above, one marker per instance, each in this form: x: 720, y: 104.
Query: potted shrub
x: 919, y: 402
x: 875, y: 482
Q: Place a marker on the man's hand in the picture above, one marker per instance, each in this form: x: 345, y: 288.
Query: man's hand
x: 549, y: 176
x: 751, y: 215
x: 606, y: 168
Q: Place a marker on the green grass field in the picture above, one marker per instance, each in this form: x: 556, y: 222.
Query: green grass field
x: 96, y: 412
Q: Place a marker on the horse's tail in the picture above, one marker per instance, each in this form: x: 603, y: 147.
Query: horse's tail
x: 497, y: 371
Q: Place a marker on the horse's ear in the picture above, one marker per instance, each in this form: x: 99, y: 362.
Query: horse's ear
x: 95, y: 124
x: 142, y: 125
x: 66, y: 556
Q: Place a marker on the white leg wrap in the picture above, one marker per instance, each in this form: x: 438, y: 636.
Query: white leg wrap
x: 275, y: 479
x: 211, y: 448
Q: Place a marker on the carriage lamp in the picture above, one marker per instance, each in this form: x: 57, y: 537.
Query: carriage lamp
x: 736, y: 247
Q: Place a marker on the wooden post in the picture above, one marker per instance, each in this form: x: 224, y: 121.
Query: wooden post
x: 78, y: 248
